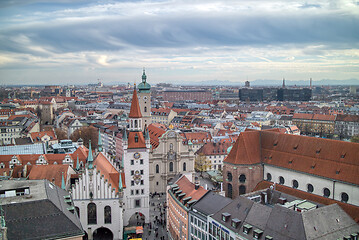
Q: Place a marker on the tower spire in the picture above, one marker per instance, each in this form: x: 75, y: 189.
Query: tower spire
x: 78, y: 163
x: 144, y: 77
x: 99, y: 141
x: 90, y: 157
x: 283, y: 86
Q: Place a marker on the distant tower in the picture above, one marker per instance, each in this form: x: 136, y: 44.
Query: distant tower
x: 310, y: 83
x: 144, y: 99
x: 283, y: 85
x: 247, y: 84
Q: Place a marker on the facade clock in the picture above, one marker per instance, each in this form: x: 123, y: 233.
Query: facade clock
x: 136, y: 155
x: 137, y: 177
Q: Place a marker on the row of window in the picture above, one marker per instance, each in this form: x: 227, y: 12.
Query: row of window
x: 242, y: 178
x: 133, y: 161
x: 310, y: 188
x: 184, y: 167
x: 92, y: 214
x: 137, y: 191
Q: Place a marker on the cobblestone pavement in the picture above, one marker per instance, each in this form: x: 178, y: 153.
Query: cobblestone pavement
x: 157, y: 213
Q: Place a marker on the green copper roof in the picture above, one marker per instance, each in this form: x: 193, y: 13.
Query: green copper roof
x: 144, y: 86
x: 90, y: 157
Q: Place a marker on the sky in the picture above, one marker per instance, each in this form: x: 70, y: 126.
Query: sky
x: 177, y: 41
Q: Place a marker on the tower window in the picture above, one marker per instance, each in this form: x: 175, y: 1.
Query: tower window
x: 145, y: 109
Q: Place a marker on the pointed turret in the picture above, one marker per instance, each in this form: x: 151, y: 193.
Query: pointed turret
x: 77, y: 163
x: 135, y: 111
x: 90, y: 157
x: 120, y: 186
x: 124, y: 137
x: 283, y: 85
x: 99, y: 141
x: 63, y: 186
x: 144, y: 86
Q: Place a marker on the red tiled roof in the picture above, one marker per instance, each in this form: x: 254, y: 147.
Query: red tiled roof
x: 189, y: 189
x: 219, y: 148
x: 132, y: 142
x: 49, y: 172
x: 155, y: 131
x: 50, y: 133
x: 351, y: 210
x: 246, y: 149
x: 347, y: 118
x: 135, y: 111
x: 109, y: 172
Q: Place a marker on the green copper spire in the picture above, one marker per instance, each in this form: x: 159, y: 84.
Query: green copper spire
x: 144, y: 77
x: 78, y: 163
x: 120, y: 187
x: 99, y: 141
x: 63, y: 186
x: 89, y: 157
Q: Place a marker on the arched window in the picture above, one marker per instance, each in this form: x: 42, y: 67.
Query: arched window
x: 269, y: 177
x: 229, y: 176
x: 145, y: 109
x: 229, y: 186
x: 136, y: 124
x: 310, y: 188
x: 184, y: 167
x: 91, y: 214
x: 171, y: 166
x: 281, y: 180
x: 157, y: 168
x: 78, y: 211
x: 326, y: 192
x: 345, y: 197
x: 107, y: 213
x: 242, y: 178
x: 171, y: 146
x: 242, y: 189
x: 295, y: 184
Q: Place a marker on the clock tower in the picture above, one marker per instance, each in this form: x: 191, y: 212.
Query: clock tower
x: 136, y: 146
x: 144, y: 98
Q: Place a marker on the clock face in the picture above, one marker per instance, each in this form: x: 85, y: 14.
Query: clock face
x: 145, y: 98
x: 136, y: 155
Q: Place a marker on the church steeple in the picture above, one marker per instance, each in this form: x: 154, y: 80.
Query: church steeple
x: 90, y: 157
x: 135, y: 113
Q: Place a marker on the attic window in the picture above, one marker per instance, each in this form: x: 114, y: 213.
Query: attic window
x: 235, y: 222
x: 343, y: 155
x: 318, y: 151
x: 275, y: 143
x: 268, y: 238
x: 337, y: 171
x: 257, y: 233
x: 225, y: 216
x: 247, y: 228
x: 290, y: 161
x: 136, y: 138
x: 295, y: 147
x: 313, y: 166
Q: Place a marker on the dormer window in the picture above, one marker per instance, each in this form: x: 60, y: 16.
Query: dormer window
x: 343, y: 155
x: 295, y: 147
x: 318, y: 151
x: 257, y: 233
x: 268, y: 238
x: 235, y: 222
x: 247, y: 228
x: 136, y: 138
x: 275, y: 143
x: 225, y: 216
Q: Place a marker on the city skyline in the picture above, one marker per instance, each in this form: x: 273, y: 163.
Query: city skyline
x: 78, y: 42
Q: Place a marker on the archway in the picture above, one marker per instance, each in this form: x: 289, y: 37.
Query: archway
x: 137, y: 219
x: 102, y: 233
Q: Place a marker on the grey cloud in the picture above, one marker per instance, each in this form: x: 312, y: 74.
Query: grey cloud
x: 116, y: 33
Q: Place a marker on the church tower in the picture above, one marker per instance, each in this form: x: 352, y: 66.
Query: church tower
x: 136, y: 148
x: 144, y: 94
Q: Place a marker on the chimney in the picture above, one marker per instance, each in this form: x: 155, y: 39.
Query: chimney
x: 196, y: 185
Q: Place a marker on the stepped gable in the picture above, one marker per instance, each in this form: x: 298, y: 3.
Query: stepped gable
x: 132, y: 143
x: 323, y: 157
x: 135, y: 111
x: 107, y: 169
x: 246, y: 149
x: 351, y: 210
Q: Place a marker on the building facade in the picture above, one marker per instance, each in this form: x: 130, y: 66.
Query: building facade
x: 144, y: 99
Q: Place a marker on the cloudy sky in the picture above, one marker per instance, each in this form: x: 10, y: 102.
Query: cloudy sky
x: 178, y: 41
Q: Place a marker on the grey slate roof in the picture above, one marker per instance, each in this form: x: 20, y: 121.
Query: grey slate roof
x: 281, y: 223
x: 43, y: 214
x: 211, y: 203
